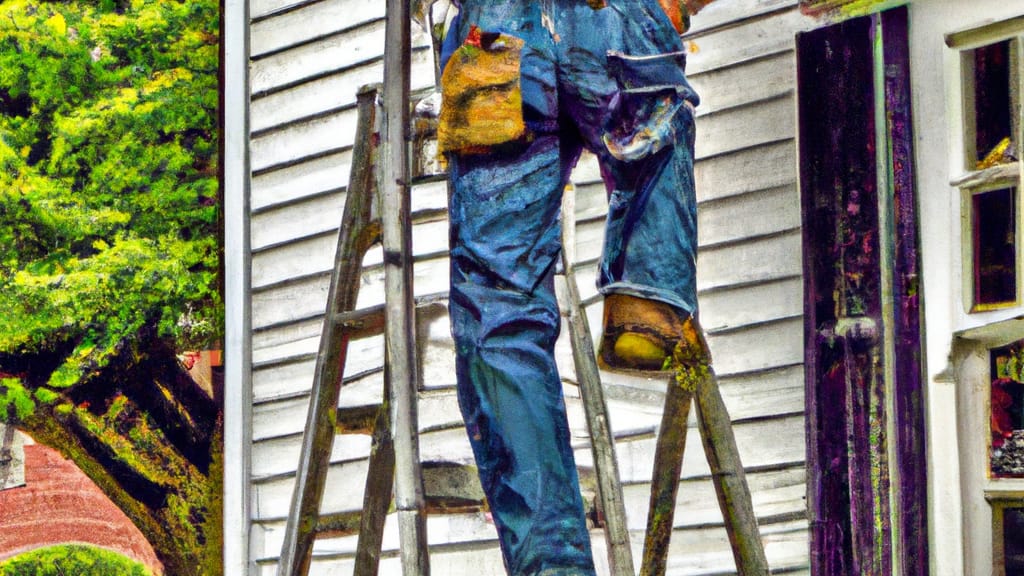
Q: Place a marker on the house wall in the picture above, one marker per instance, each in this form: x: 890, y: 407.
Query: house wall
x: 306, y: 61
x: 955, y: 339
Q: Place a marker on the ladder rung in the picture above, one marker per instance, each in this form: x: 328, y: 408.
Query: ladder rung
x: 356, y: 419
x: 338, y: 524
x: 366, y: 322
x: 448, y: 487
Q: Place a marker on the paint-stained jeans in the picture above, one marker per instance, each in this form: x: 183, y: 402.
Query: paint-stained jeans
x: 610, y: 80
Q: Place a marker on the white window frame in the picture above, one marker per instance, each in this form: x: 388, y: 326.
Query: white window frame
x: 970, y: 181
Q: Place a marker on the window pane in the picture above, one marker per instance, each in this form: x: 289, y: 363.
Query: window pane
x: 993, y: 105
x: 1007, y: 419
x: 995, y: 247
x: 1013, y: 541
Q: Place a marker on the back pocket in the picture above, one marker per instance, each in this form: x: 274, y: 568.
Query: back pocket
x: 655, y: 108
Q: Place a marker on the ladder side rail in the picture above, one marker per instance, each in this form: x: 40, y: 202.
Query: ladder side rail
x: 399, y: 309
x: 380, y: 480
x: 357, y: 233
x: 620, y: 556
x: 668, y: 466
x: 729, y: 478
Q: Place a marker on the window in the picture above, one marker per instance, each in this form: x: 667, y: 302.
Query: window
x: 1007, y: 411
x: 1013, y: 541
x: 1007, y: 534
x: 990, y: 173
x: 994, y: 238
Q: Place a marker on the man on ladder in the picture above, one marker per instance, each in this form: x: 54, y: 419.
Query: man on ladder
x: 527, y: 85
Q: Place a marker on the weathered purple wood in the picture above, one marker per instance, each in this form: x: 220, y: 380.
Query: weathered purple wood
x: 908, y: 387
x: 847, y: 499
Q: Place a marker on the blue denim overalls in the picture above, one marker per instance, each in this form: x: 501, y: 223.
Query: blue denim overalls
x: 610, y: 80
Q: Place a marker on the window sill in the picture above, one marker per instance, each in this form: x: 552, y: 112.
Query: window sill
x: 1004, y: 173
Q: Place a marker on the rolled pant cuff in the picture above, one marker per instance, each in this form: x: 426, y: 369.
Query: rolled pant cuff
x: 648, y: 293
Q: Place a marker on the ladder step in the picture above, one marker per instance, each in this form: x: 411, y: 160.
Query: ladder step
x: 338, y: 524
x: 366, y: 322
x: 356, y: 419
x: 448, y: 487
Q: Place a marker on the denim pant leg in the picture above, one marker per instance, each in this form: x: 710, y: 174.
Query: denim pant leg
x: 505, y: 238
x: 624, y: 77
x: 651, y: 235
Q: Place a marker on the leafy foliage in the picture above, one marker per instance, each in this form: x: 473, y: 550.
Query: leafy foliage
x: 108, y: 180
x: 71, y: 559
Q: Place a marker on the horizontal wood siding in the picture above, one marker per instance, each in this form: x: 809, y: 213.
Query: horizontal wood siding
x: 307, y: 60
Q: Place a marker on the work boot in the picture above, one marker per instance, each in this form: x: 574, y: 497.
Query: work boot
x: 642, y: 335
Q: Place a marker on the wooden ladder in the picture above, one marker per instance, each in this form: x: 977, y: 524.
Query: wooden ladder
x: 379, y: 182
x: 360, y: 229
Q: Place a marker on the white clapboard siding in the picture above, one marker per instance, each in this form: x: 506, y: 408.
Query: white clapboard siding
x: 301, y: 181
x: 310, y: 21
x: 308, y: 57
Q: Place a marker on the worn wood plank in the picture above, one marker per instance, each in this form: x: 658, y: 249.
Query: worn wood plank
x: 695, y: 552
x: 328, y: 92
x: 314, y: 255
x: 309, y: 138
x: 279, y: 225
x: 468, y: 531
x: 343, y: 491
x: 294, y: 183
x: 296, y: 341
x: 764, y: 394
x: 764, y: 167
x: 745, y: 127
x: 278, y: 456
x: 436, y: 348
x: 357, y: 46
x: 286, y: 417
x: 746, y: 41
x: 264, y: 8
x: 735, y: 86
x: 299, y: 300
x: 761, y: 347
x: 758, y: 260
x: 310, y: 21
x: 706, y: 551
x: 734, y: 218
x: 276, y: 346
x: 775, y: 493
x: 484, y: 561
x: 283, y: 225
x: 289, y: 380
x: 719, y: 14
x: 282, y: 380
x: 760, y: 303
x: 303, y: 257
x: 331, y: 54
x: 761, y: 443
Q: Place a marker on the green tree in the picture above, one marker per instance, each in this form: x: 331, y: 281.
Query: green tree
x: 109, y: 249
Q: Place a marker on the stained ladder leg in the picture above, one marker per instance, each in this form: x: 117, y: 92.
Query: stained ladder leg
x: 668, y: 464
x: 377, y: 496
x: 358, y: 232
x: 729, y: 478
x: 695, y: 378
x: 620, y: 555
x: 399, y: 308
